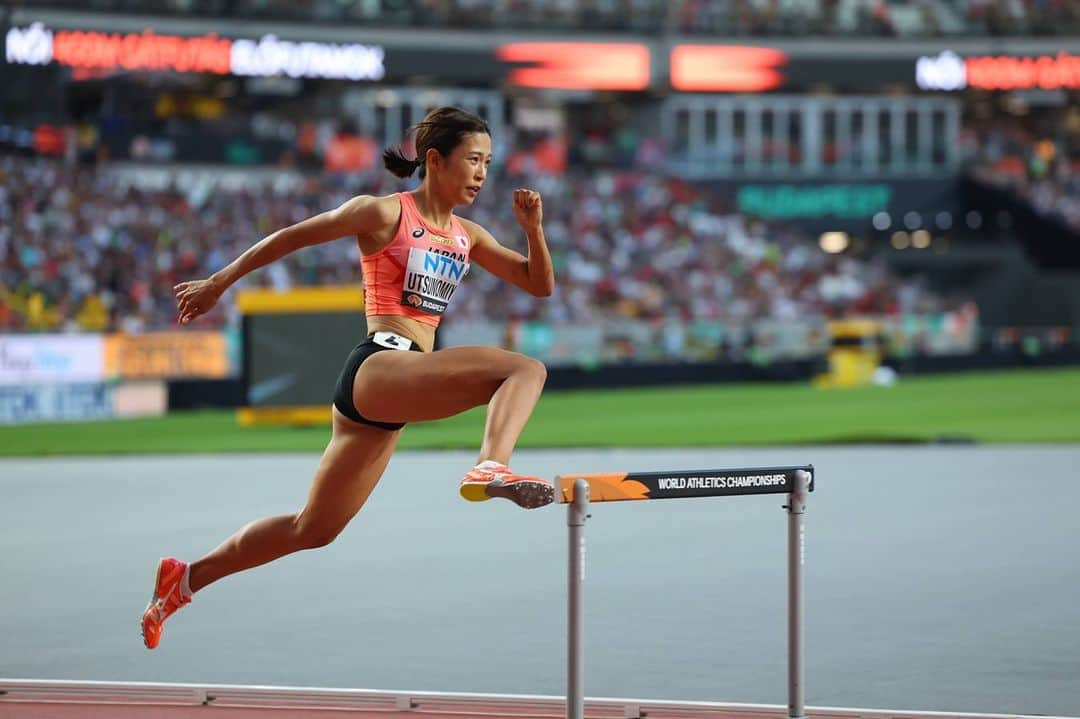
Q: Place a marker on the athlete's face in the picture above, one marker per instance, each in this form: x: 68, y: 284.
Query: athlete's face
x: 462, y: 174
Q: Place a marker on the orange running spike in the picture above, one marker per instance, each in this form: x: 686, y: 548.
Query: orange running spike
x: 491, y: 479
x: 167, y: 598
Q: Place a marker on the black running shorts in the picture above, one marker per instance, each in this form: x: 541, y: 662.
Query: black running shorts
x: 375, y: 342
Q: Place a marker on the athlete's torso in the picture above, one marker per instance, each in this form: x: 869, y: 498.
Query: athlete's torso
x: 410, y: 280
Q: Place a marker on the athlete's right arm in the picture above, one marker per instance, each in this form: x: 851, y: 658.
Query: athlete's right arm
x: 362, y: 215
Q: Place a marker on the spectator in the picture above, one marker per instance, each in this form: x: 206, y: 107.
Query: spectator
x: 78, y: 250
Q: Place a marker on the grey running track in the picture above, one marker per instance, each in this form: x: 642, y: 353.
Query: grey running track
x: 937, y: 579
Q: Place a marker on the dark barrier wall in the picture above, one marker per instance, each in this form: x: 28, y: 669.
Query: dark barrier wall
x: 205, y: 393
x: 200, y: 394
x: 638, y: 375
x: 293, y: 360
x: 987, y: 360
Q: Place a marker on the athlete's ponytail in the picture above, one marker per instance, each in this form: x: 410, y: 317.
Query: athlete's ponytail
x: 398, y: 164
x: 442, y: 130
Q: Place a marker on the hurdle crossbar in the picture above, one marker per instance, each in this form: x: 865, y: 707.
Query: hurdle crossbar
x: 579, y: 490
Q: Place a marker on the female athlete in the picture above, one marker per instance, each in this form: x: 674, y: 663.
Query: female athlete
x: 415, y: 252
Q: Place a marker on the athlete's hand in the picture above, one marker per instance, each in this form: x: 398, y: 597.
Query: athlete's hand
x: 528, y: 209
x: 196, y: 298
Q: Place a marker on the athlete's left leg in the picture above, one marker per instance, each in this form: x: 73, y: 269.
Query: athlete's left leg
x: 417, y: 387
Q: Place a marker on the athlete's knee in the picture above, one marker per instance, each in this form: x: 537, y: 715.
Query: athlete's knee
x: 532, y: 368
x: 539, y: 370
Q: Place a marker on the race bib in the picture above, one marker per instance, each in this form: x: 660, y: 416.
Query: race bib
x: 431, y: 278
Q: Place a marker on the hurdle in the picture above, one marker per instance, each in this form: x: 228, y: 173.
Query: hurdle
x: 578, y: 491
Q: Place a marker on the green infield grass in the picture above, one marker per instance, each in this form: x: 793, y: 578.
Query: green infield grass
x: 1011, y: 406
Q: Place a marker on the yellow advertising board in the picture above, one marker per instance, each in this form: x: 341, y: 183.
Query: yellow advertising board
x: 855, y: 353
x: 335, y: 298
x: 167, y: 355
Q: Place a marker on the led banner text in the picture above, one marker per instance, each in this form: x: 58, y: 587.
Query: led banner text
x: 949, y: 71
x: 148, y: 50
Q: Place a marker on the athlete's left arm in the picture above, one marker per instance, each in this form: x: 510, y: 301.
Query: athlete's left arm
x: 534, y: 273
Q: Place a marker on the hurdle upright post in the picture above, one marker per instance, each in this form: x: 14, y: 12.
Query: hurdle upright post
x: 796, y: 508
x: 576, y: 514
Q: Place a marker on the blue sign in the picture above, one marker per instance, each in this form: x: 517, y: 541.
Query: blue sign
x: 55, y: 402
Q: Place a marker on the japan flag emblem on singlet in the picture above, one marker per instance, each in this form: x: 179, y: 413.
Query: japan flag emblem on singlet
x: 462, y: 241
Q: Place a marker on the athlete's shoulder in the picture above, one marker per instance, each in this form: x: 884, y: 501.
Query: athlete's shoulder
x: 373, y: 211
x: 385, y: 206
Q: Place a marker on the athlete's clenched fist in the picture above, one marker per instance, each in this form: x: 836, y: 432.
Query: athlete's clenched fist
x: 528, y: 208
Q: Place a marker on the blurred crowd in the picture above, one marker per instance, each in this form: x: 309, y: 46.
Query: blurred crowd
x: 1021, y: 17
x: 81, y: 250
x: 1039, y: 161
x: 630, y: 245
x: 716, y: 17
x: 879, y: 17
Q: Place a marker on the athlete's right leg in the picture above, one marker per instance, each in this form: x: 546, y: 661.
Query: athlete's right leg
x: 351, y: 466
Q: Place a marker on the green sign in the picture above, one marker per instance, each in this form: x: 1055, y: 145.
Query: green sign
x: 809, y: 201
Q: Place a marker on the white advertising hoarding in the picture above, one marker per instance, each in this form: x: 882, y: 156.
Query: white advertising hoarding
x: 27, y: 359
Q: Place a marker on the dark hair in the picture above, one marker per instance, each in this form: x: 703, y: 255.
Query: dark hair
x: 441, y: 129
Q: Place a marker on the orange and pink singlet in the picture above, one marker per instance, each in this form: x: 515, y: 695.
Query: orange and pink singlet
x: 417, y: 274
